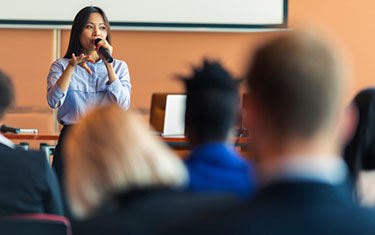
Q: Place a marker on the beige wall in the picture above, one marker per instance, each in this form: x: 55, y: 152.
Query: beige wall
x: 26, y: 56
x: 352, y: 22
x: 155, y: 57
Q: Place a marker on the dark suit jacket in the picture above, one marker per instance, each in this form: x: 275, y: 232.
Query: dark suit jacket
x: 288, y: 208
x: 27, y: 183
x: 149, y: 211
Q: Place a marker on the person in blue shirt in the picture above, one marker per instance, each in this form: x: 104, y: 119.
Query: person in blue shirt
x: 212, y: 107
x: 83, y: 79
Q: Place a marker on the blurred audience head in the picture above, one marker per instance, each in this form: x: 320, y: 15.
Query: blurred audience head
x: 6, y: 93
x: 112, y: 152
x: 360, y: 151
x: 296, y: 88
x: 212, y: 104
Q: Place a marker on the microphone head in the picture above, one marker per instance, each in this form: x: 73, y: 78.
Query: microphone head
x: 97, y: 41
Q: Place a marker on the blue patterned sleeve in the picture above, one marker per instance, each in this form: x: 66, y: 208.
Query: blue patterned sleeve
x: 120, y: 89
x: 55, y: 96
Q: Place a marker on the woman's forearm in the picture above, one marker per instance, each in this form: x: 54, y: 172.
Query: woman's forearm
x: 111, y: 73
x: 64, y: 80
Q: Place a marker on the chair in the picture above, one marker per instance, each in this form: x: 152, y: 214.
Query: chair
x: 157, y: 112
x: 35, y: 223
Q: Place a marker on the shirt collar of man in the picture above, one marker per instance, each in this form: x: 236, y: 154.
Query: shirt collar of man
x: 307, y: 168
x: 6, y: 141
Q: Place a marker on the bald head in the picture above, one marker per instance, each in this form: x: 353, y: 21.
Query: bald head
x: 296, y: 80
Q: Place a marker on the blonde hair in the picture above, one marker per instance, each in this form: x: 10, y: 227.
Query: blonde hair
x: 111, y: 151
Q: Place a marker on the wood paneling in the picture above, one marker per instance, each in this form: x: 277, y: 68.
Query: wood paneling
x: 155, y: 57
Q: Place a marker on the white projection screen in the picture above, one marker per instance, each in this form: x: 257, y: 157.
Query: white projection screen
x: 150, y: 14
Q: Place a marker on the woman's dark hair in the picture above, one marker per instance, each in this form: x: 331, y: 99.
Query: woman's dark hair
x: 360, y: 152
x: 79, y: 23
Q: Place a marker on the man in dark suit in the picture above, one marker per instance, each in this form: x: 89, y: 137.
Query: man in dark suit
x: 27, y: 183
x: 298, y: 122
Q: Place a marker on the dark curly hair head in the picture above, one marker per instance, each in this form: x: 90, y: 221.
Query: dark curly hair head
x: 212, y: 103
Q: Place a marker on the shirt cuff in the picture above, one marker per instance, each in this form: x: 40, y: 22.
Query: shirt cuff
x: 114, y: 87
x: 58, y: 95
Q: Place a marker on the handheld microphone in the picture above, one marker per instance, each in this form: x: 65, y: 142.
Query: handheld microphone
x: 5, y: 129
x: 104, y: 52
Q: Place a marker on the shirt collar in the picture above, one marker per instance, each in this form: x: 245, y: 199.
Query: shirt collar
x: 324, y: 169
x: 6, y: 141
x: 210, y: 145
x: 99, y: 61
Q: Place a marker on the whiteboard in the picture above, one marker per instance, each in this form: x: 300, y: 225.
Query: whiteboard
x: 230, y: 14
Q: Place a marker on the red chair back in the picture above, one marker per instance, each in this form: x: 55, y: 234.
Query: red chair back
x: 35, y: 223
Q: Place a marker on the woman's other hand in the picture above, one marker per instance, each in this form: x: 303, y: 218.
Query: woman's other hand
x: 81, y: 60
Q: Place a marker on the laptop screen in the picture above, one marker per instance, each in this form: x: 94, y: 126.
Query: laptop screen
x: 174, y: 119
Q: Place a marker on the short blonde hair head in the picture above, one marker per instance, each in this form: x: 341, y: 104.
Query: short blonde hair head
x: 110, y: 151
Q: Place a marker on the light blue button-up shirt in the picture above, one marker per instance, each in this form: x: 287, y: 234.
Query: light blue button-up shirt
x: 87, y: 91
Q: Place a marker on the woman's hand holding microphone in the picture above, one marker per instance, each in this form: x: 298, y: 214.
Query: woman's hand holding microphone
x: 104, y: 50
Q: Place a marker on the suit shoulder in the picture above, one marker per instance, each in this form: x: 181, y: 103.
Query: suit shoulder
x: 30, y: 157
x: 31, y: 154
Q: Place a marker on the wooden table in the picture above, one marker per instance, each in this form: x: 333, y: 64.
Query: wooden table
x: 174, y: 143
